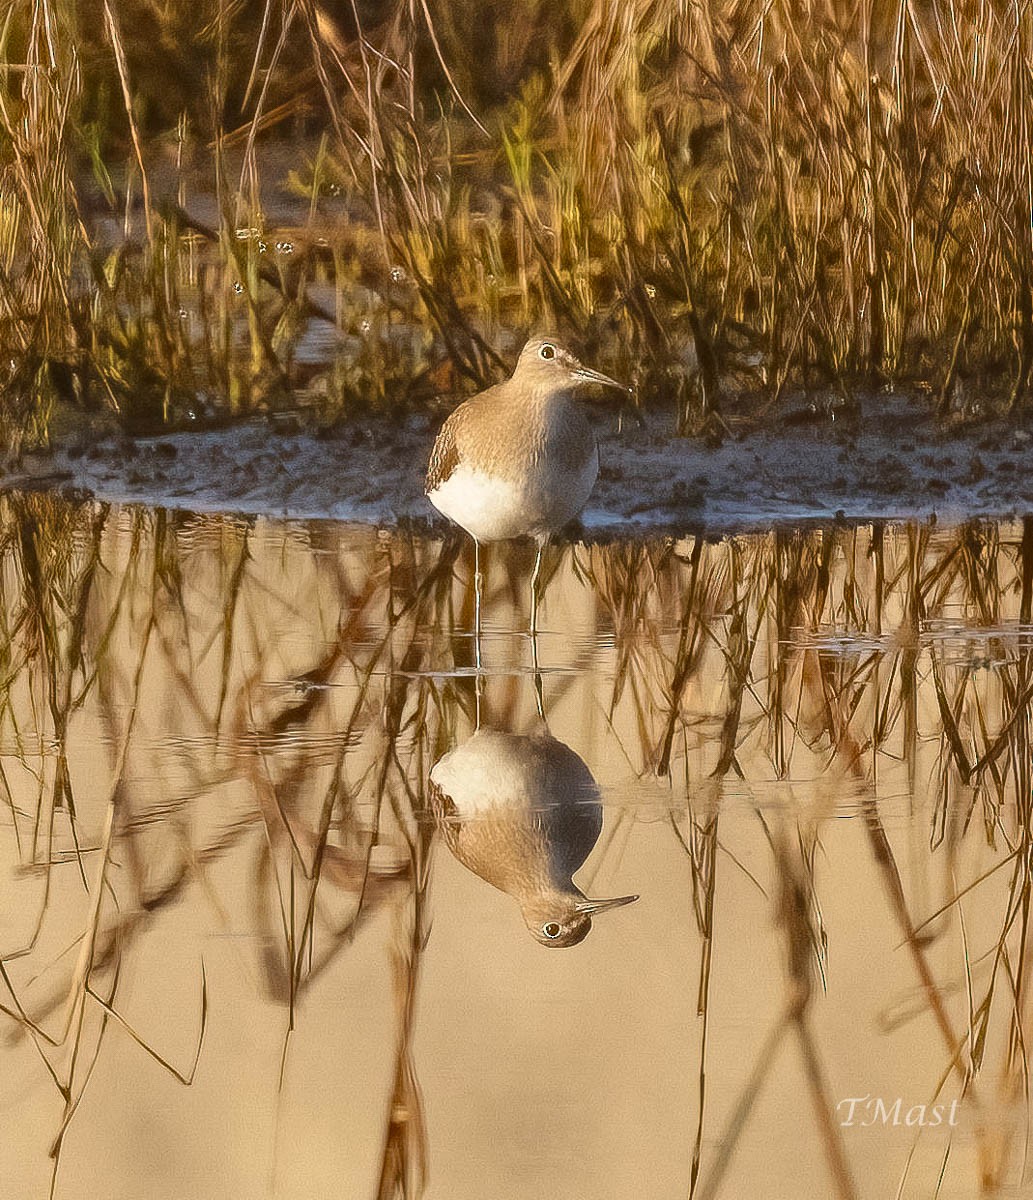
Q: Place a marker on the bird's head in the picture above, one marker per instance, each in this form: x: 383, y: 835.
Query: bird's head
x: 565, y: 920
x: 546, y: 365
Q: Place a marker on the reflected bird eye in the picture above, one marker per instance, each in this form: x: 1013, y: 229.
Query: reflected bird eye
x: 552, y: 930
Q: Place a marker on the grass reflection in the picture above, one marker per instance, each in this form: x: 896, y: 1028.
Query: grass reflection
x: 234, y: 722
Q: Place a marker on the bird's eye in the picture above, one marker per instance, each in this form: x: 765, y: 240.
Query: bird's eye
x: 552, y: 930
x: 547, y: 351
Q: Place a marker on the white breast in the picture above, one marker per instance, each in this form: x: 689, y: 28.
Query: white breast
x: 487, y: 507
x: 491, y: 508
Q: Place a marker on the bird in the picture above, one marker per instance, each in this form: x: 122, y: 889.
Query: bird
x: 519, y: 459
x: 523, y: 812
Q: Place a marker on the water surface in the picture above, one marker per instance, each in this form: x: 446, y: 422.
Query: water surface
x: 249, y: 948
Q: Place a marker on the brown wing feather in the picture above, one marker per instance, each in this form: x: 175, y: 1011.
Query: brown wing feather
x: 445, y: 813
x: 445, y: 456
x: 504, y: 427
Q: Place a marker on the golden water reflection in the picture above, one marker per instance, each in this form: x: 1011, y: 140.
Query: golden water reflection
x: 239, y: 959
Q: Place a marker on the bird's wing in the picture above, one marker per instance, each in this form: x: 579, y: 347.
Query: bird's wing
x: 573, y: 819
x: 445, y: 455
x: 442, y: 803
x: 459, y: 434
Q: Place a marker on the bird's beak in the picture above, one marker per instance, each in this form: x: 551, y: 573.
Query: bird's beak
x: 591, y: 907
x: 587, y: 375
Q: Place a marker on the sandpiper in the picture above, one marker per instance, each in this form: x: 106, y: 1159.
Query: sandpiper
x: 519, y: 459
x: 523, y: 813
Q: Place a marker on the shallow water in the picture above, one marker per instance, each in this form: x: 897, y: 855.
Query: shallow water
x: 249, y: 948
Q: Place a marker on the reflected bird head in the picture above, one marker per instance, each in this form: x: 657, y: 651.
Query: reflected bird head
x: 565, y: 921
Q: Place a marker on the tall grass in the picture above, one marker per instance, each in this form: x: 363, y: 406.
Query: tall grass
x: 722, y: 201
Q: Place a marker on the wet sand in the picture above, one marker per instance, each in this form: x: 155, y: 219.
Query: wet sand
x: 889, y: 460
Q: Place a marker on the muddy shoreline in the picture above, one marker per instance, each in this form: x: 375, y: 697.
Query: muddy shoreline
x: 890, y: 462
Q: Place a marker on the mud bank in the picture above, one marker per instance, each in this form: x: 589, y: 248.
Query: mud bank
x: 893, y: 462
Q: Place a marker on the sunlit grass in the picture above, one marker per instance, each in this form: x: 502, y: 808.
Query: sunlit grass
x: 724, y: 203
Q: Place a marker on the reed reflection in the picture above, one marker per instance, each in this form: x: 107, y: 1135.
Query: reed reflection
x: 218, y: 801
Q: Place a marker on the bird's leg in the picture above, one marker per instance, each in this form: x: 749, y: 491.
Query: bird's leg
x: 534, y: 631
x: 478, y: 584
x: 534, y: 586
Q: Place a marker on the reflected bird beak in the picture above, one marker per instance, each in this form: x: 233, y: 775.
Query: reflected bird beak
x: 591, y: 907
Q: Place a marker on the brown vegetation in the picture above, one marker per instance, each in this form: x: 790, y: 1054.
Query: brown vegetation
x: 720, y: 201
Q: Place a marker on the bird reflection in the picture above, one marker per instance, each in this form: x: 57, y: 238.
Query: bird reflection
x: 523, y: 813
